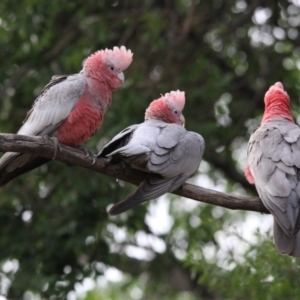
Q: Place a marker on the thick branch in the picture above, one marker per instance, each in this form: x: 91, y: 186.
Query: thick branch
x: 72, y: 156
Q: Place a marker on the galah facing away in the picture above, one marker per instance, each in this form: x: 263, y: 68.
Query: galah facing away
x: 70, y: 108
x: 161, y: 146
x: 274, y: 167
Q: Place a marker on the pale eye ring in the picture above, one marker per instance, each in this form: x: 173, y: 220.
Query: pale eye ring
x: 112, y: 68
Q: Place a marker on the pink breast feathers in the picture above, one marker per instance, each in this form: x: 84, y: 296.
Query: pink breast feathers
x: 81, y: 124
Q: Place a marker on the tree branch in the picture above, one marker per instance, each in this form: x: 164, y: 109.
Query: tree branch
x: 72, y: 156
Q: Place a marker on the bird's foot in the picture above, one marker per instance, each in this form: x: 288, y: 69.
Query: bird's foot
x: 118, y: 164
x: 88, y: 153
x: 122, y: 165
x: 55, y: 142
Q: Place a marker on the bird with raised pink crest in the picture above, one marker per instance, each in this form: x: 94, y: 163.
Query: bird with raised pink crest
x: 70, y: 108
x: 161, y: 146
x: 274, y: 168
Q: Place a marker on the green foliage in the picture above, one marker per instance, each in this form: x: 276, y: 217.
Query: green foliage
x: 54, y: 229
x: 263, y: 274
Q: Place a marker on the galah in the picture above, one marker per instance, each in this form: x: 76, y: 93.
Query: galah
x: 70, y: 108
x: 274, y: 167
x: 161, y: 146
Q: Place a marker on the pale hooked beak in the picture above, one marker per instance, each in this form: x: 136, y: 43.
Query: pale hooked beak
x: 121, y: 76
x: 182, y: 120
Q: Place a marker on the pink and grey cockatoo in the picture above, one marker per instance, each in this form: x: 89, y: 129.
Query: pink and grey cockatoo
x: 70, y: 108
x: 274, y: 167
x: 161, y: 146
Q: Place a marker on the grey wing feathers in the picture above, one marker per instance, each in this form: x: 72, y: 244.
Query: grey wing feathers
x: 184, y: 156
x: 54, y: 104
x: 54, y: 80
x: 49, y: 110
x: 273, y: 156
x: 120, y: 140
x: 172, y: 154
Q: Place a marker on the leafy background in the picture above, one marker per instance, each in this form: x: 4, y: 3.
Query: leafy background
x: 56, y: 239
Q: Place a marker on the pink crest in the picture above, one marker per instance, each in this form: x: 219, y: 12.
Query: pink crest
x: 162, y: 108
x: 176, y: 97
x: 121, y: 58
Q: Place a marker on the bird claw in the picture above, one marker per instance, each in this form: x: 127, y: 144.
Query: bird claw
x: 94, y: 158
x: 88, y: 153
x: 55, y: 142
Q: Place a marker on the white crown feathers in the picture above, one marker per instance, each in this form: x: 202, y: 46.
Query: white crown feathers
x: 121, y: 58
x: 177, y: 97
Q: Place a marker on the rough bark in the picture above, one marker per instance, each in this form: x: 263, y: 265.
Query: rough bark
x: 73, y: 156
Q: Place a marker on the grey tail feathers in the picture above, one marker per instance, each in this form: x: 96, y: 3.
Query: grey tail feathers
x: 6, y: 176
x: 286, y: 244
x: 153, y: 187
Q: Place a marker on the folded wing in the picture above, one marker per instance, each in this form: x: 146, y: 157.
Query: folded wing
x: 274, y: 160
x: 170, y: 153
x: 49, y: 110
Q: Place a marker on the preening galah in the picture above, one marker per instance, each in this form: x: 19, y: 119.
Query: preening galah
x: 70, y: 108
x: 161, y: 146
x: 274, y: 167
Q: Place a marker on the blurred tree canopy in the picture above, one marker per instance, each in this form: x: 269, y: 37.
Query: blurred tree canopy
x: 55, y: 234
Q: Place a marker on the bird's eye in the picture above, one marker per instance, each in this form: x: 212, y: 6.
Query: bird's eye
x: 112, y: 68
x: 175, y: 112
